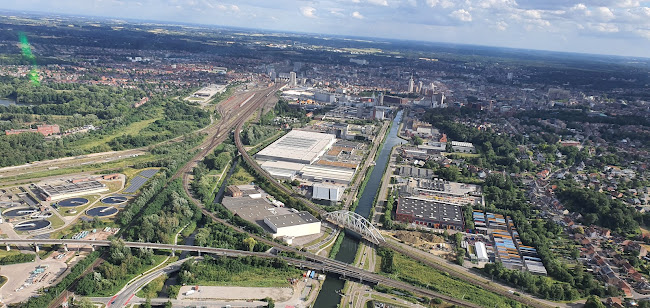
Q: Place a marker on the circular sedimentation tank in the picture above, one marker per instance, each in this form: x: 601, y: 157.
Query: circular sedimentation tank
x: 114, y: 200
x: 72, y: 202
x: 32, y: 225
x: 19, y: 212
x: 102, y: 211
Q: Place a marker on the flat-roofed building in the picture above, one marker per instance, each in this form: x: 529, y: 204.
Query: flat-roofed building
x: 282, y: 169
x: 298, y: 146
x: 481, y: 252
x: 234, y: 191
x: 69, y: 189
x: 293, y: 224
x: 429, y: 213
x: 327, y: 192
x: 409, y: 171
x: 327, y: 174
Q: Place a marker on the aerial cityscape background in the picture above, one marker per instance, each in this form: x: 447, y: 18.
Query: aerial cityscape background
x: 615, y: 27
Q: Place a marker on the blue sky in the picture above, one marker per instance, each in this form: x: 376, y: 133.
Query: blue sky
x: 618, y: 27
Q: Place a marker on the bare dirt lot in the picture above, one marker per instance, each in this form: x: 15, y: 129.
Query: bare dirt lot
x: 17, y: 275
x: 235, y: 293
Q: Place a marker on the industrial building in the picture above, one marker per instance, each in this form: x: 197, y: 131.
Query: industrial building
x: 430, y: 213
x: 328, y: 192
x: 464, y: 147
x: 254, y: 206
x: 293, y: 224
x: 69, y: 189
x: 327, y: 174
x: 298, y: 146
x: 481, y: 252
x: 282, y: 170
x: 409, y: 171
x: 441, y: 190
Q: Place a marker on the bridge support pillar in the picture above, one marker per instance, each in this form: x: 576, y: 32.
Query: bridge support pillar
x: 65, y: 247
x: 36, y: 247
x: 173, y: 252
x: 8, y: 247
x: 92, y: 248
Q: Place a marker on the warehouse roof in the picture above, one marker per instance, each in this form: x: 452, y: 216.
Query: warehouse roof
x: 430, y: 210
x: 298, y: 146
x: 292, y: 219
x: 327, y: 173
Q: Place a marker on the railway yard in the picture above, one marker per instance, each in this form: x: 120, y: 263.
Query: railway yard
x: 114, y: 191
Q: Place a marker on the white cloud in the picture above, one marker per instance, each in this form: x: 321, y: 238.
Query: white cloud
x: 378, y: 2
x: 357, y: 15
x: 643, y: 33
x: 234, y: 8
x: 308, y: 11
x: 534, y: 14
x: 603, y: 13
x: 501, y: 25
x: 461, y: 15
x: 496, y: 4
x: 604, y: 27
x: 445, y: 4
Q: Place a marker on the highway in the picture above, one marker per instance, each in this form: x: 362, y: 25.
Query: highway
x: 121, y: 301
x: 317, y: 263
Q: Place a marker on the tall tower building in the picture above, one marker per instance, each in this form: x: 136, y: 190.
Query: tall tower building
x: 411, y: 84
x: 292, y: 79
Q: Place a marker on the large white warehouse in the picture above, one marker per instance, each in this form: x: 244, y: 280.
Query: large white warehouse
x: 298, y: 146
x: 293, y: 224
x: 327, y: 192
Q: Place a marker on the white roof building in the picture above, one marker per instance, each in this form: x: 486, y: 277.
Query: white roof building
x: 324, y: 174
x: 481, y: 252
x: 298, y: 146
x: 327, y: 192
x: 282, y: 169
x: 293, y: 224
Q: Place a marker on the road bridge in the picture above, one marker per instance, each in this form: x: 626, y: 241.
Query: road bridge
x: 369, y: 236
x: 321, y: 264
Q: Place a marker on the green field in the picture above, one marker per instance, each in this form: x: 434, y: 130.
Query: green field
x: 412, y: 271
x: 261, y: 277
x: 131, y: 129
x: 241, y: 177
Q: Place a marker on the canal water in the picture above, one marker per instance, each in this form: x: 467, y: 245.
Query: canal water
x: 329, y: 294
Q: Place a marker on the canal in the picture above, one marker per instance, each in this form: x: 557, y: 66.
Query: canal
x: 329, y: 294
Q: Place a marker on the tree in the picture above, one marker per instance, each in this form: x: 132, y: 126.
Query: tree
x: 270, y: 301
x: 250, y: 242
x: 417, y: 140
x: 168, y: 304
x: 593, y: 301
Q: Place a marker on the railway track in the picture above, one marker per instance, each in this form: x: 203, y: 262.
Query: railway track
x: 463, y: 276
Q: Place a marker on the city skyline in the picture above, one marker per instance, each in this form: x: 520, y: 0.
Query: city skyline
x: 595, y: 27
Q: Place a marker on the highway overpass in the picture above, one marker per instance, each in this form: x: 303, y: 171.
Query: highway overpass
x: 321, y: 264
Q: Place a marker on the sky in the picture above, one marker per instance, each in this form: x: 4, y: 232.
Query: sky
x: 615, y: 27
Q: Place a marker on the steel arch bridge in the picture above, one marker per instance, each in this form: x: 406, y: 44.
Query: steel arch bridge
x: 357, y: 223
